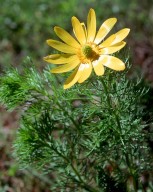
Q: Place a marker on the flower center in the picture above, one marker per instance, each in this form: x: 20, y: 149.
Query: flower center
x: 88, y: 53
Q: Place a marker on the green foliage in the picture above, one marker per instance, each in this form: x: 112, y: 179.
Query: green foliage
x: 91, y: 137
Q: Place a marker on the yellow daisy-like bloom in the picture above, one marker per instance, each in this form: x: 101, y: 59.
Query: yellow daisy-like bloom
x: 89, y: 51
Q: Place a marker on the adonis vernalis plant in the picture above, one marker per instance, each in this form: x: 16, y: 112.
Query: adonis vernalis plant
x: 94, y: 137
x: 88, y: 51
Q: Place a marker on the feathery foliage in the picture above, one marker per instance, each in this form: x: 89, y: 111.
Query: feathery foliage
x: 89, y: 138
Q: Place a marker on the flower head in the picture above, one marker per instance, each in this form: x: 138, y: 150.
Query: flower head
x: 88, y: 50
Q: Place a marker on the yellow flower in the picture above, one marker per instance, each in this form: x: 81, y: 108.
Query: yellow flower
x: 89, y: 51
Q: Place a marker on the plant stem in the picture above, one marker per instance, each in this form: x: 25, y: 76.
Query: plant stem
x: 81, y: 181
x: 120, y: 134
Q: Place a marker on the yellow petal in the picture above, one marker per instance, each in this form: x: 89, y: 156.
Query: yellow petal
x: 98, y: 67
x: 66, y: 67
x: 112, y: 62
x: 66, y: 37
x: 84, y: 28
x: 73, y: 78
x: 60, y: 58
x: 91, y: 25
x: 61, y: 46
x: 120, y: 35
x: 86, y: 72
x: 113, y: 49
x: 105, y: 29
x: 107, y: 42
x: 78, y: 30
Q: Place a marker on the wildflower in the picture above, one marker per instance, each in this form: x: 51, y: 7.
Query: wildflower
x: 88, y: 51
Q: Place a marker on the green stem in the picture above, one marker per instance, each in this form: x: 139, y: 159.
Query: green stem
x: 120, y: 134
x: 80, y: 180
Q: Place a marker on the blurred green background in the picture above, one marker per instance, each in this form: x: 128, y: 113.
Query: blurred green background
x: 24, y: 27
